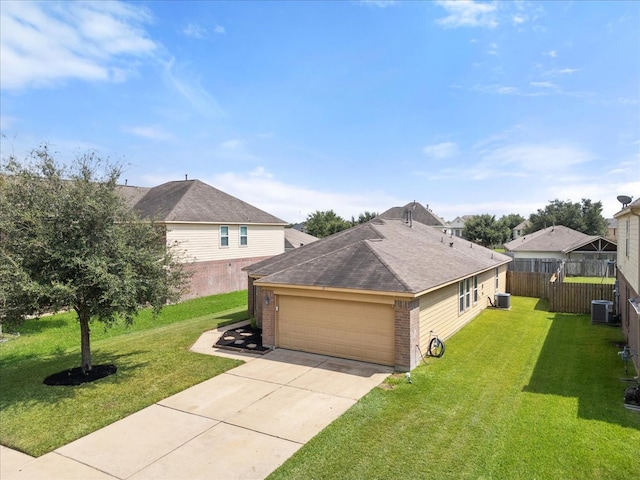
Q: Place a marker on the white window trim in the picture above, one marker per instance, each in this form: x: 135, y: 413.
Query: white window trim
x: 223, y: 236
x: 240, y: 236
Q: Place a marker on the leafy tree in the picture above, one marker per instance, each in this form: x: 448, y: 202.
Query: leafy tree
x: 322, y: 224
x: 511, y: 221
x: 585, y: 217
x: 485, y: 230
x: 67, y: 240
x: 363, y: 218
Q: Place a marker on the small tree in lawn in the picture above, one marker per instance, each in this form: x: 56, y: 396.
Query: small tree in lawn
x: 68, y: 240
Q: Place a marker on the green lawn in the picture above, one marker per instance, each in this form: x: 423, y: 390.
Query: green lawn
x: 606, y: 281
x: 519, y: 394
x: 152, y: 357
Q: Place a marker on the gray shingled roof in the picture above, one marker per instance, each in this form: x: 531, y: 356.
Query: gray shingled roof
x: 132, y: 195
x: 295, y: 238
x: 195, y: 201
x: 553, y: 239
x: 418, y: 214
x: 381, y: 255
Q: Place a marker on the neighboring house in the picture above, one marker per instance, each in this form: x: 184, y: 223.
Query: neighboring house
x: 612, y: 229
x: 547, y: 248
x: 216, y: 234
x: 415, y: 212
x: 518, y: 230
x: 295, y: 239
x: 374, y: 292
x: 628, y: 288
x: 456, y: 226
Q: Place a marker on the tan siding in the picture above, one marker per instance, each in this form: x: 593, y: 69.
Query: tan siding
x: 630, y: 264
x: 439, y: 309
x: 201, y: 242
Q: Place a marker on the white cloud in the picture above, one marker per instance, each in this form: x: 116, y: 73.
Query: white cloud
x: 560, y: 71
x: 149, y: 132
x: 552, y: 53
x: 232, y: 144
x: 543, y: 84
x: 441, y: 150
x: 189, y: 86
x: 196, y: 31
x: 45, y: 43
x: 291, y: 203
x: 542, y: 160
x: 467, y: 13
x: 519, y: 19
x: 378, y: 3
x: 219, y: 29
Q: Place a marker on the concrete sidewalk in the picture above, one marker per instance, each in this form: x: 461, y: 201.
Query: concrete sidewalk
x: 241, y: 424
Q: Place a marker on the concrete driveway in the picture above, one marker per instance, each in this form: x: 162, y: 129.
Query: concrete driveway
x: 241, y: 424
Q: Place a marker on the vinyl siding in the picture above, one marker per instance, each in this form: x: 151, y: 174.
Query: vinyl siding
x: 439, y: 309
x: 201, y: 242
x: 629, y: 264
x: 536, y: 254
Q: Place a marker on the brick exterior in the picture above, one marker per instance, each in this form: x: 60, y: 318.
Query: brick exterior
x: 407, y: 334
x: 268, y: 318
x: 220, y: 276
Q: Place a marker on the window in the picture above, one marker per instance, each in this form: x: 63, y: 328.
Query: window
x: 475, y: 290
x: 224, y: 236
x: 467, y: 293
x: 244, y: 239
x: 497, y: 279
x: 626, y: 237
x: 464, y: 293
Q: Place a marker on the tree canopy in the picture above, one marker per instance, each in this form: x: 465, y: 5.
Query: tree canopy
x: 68, y: 240
x: 322, y: 224
x: 585, y: 217
x: 489, y: 232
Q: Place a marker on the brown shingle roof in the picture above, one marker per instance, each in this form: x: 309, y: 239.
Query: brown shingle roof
x: 551, y: 239
x: 295, y: 238
x: 195, y: 201
x: 381, y: 255
x: 417, y: 212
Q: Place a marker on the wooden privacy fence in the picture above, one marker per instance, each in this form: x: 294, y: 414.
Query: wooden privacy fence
x: 563, y: 297
x: 577, y: 297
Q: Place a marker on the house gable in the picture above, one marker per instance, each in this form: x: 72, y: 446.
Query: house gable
x: 196, y: 202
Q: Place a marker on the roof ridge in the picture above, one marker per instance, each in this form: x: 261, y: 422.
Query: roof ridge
x: 184, y: 192
x: 368, y: 244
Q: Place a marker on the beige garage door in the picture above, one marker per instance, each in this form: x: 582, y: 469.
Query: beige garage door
x: 355, y: 330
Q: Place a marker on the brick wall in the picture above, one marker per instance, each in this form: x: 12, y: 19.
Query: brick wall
x: 407, y: 334
x: 268, y: 318
x: 220, y: 276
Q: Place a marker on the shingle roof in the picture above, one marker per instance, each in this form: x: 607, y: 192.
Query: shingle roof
x: 418, y: 214
x: 380, y: 255
x: 295, y: 238
x: 132, y: 195
x: 195, y: 201
x: 551, y: 239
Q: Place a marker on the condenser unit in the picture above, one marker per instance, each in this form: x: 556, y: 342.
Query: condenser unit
x: 503, y: 300
x: 601, y: 311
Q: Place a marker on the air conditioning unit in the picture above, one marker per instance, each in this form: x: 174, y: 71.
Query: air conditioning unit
x: 601, y: 311
x: 503, y: 300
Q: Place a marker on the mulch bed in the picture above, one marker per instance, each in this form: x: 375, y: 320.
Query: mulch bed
x: 245, y: 339
x: 74, y: 376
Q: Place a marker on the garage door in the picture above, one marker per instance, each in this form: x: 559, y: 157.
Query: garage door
x: 355, y: 330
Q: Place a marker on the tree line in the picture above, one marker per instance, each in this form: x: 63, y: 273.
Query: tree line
x: 486, y: 229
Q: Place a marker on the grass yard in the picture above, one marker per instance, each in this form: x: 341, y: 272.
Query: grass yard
x: 519, y: 394
x: 598, y: 280
x: 152, y: 357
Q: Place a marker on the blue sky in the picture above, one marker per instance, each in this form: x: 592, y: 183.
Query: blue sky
x: 468, y: 107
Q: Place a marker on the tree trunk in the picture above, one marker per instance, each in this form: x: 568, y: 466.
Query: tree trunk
x: 85, y: 344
